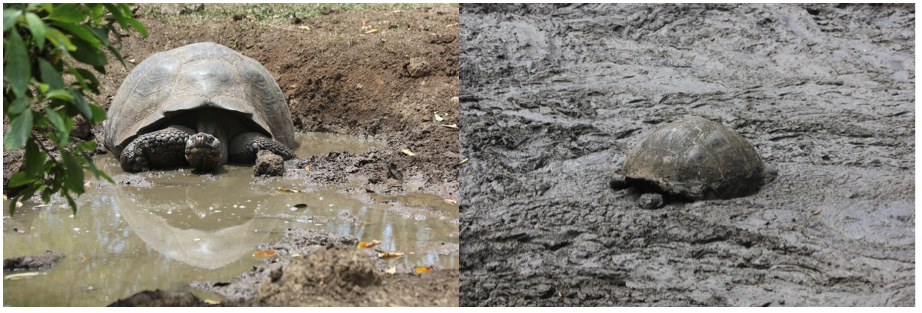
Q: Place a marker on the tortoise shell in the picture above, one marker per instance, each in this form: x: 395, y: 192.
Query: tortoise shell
x: 697, y: 159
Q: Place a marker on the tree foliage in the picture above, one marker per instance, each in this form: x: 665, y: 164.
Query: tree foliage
x: 43, y: 43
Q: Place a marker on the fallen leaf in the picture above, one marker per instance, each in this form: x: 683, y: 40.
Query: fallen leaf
x: 304, y: 27
x: 212, y: 302
x: 373, y: 243
x: 392, y: 270
x: 196, y: 239
x: 463, y: 161
x: 301, y: 205
x: 438, y: 118
x: 371, y: 31
x: 407, y: 152
x: 43, y: 205
x: 442, y: 218
x: 307, y: 168
x: 815, y: 212
x: 86, y: 184
x: 297, y: 255
x: 422, y: 269
x: 263, y: 254
x: 18, y: 204
x: 4, y: 197
x: 388, y: 255
x: 451, y: 201
x: 290, y: 190
x: 83, y: 259
x: 451, y: 25
x: 455, y: 126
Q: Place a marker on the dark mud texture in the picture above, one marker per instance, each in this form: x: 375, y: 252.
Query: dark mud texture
x: 553, y: 97
x: 330, y: 271
x: 44, y: 261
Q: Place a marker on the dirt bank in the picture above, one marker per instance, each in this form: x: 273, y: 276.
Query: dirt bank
x: 554, y: 96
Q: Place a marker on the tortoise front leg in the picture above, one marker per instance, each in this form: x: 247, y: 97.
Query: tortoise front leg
x: 245, y: 146
x: 160, y: 149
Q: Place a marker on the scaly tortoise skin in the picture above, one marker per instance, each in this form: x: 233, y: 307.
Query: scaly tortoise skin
x: 697, y: 159
x: 202, y: 104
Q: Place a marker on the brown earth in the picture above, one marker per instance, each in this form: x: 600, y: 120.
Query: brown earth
x: 338, y: 76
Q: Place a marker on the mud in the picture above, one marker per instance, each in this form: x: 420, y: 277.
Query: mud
x: 330, y: 271
x: 554, y: 96
x: 44, y: 261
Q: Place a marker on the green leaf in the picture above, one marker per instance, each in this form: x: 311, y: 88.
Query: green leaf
x: 19, y: 130
x: 67, y: 12
x: 37, y: 27
x: 101, y: 34
x: 20, y: 178
x: 82, y: 32
x: 25, y: 194
x: 18, y: 106
x: 74, y: 179
x: 117, y: 55
x: 76, y: 72
x: 73, y: 205
x: 81, y: 105
x: 59, y: 40
x: 98, y: 114
x: 59, y: 94
x: 58, y: 123
x: 50, y: 75
x: 137, y: 26
x: 117, y: 15
x: 94, y: 83
x: 96, y: 13
x: 9, y: 18
x: 87, y: 53
x: 16, y: 67
x: 87, y: 146
x: 34, y: 159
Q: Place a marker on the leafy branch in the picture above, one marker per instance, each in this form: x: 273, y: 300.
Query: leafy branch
x: 42, y: 43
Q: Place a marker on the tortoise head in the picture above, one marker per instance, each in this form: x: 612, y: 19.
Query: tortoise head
x: 203, y: 151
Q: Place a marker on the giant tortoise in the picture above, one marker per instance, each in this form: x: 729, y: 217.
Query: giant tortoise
x: 202, y: 104
x: 692, y: 158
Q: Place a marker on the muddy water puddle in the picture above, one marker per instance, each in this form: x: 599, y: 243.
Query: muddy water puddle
x: 179, y: 227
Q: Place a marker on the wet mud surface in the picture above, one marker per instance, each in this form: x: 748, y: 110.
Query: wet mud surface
x: 44, y: 260
x: 553, y: 97
x: 328, y: 271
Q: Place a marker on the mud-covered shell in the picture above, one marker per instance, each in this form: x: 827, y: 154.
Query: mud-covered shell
x: 695, y: 158
x: 196, y: 76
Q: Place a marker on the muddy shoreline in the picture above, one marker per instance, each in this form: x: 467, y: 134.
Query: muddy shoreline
x: 554, y: 96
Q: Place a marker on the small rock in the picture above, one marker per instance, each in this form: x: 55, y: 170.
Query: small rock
x: 617, y: 182
x: 418, y: 67
x: 82, y: 129
x: 650, y: 201
x: 268, y: 164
